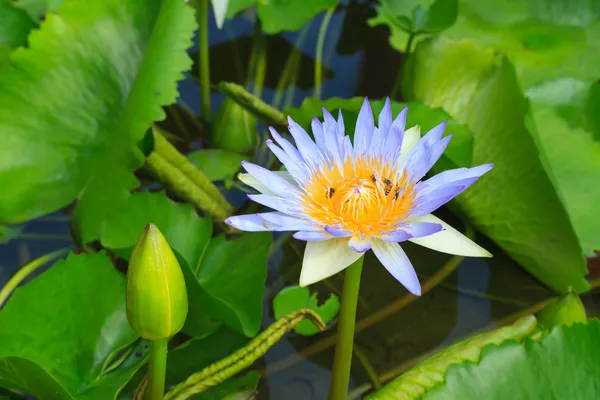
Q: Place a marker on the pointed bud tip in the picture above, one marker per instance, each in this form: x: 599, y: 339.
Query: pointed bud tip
x: 156, y: 292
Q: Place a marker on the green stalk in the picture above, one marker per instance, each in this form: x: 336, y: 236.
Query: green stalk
x: 203, y: 57
x: 340, y: 376
x: 241, y: 359
x: 253, y: 104
x: 157, y: 369
x: 319, y: 55
x: 291, y: 66
x: 398, y: 83
x: 180, y: 176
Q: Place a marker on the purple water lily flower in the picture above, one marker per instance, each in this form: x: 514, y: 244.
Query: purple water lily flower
x: 344, y: 198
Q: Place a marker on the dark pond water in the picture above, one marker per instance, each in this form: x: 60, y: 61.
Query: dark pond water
x: 475, y: 296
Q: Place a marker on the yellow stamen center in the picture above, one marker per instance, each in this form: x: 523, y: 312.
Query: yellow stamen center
x: 365, y: 197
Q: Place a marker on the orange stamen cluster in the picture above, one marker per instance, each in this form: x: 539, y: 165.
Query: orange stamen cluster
x: 365, y: 197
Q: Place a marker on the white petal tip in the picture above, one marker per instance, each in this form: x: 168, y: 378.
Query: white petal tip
x: 415, y: 291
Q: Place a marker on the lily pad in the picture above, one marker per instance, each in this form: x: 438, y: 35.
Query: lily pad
x: 561, y: 123
x: 227, y: 286
x: 414, y: 383
x: 562, y: 364
x: 56, y: 348
x: 281, y: 15
x: 112, y: 65
x: 15, y: 26
x: 186, y: 232
x: 514, y: 203
x: 554, y: 50
x: 217, y: 164
x: 294, y: 298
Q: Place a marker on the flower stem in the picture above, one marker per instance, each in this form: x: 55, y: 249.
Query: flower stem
x: 203, y: 57
x: 158, y: 368
x: 345, y: 337
x: 319, y: 53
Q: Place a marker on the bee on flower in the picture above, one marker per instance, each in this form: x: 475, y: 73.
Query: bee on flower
x: 346, y: 198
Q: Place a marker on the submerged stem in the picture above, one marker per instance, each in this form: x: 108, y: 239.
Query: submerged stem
x: 319, y: 53
x: 203, y: 57
x: 157, y: 369
x: 340, y: 376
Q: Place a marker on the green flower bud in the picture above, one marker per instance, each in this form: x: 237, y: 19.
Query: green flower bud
x: 565, y: 310
x: 157, y: 303
x: 233, y: 127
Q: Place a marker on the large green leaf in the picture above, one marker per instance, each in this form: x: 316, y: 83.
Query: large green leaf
x: 563, y: 364
x: 58, y: 330
x: 281, y: 15
x: 543, y: 38
x: 554, y: 48
x: 516, y: 205
x: 414, y: 383
x: 186, y: 232
x: 110, y: 385
x: 15, y: 25
x: 561, y: 123
x: 294, y: 298
x: 38, y: 8
x: 228, y: 282
x: 74, y: 105
x: 217, y: 164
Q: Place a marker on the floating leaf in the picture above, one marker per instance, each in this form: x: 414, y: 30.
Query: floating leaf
x: 430, y: 373
x: 438, y: 17
x: 414, y: 17
x: 562, y: 114
x: 114, y: 381
x: 217, y: 164
x: 37, y: 8
x: 187, y: 233
x: 560, y: 365
x: 294, y: 298
x: 566, y: 310
x: 56, y: 348
x: 229, y: 287
x: 281, y: 15
x: 513, y: 204
x: 554, y: 50
x: 14, y: 28
x: 111, y: 65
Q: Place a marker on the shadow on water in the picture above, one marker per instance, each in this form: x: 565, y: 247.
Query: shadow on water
x: 358, y: 61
